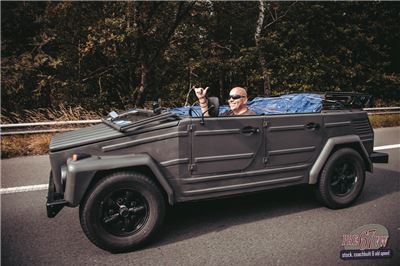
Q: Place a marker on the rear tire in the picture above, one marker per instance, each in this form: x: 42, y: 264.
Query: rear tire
x: 342, y: 179
x: 122, y: 212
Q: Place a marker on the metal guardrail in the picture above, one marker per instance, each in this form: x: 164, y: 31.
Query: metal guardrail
x: 32, y: 126
x: 59, y: 123
x: 382, y: 110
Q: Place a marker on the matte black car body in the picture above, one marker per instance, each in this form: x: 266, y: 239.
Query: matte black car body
x: 191, y: 160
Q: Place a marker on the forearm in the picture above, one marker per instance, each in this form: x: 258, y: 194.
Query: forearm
x: 203, y: 102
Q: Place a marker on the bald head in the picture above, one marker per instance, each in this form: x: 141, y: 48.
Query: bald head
x: 238, y: 91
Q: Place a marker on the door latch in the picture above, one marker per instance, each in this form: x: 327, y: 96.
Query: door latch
x: 192, y: 167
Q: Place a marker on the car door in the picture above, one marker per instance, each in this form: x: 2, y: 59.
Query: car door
x: 292, y: 142
x: 226, y: 145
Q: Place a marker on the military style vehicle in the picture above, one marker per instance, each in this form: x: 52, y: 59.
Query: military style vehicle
x: 123, y: 172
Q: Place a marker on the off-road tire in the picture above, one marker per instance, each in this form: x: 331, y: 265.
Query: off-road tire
x: 342, y: 179
x: 122, y: 212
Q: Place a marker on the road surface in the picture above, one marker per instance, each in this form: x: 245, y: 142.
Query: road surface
x: 280, y: 227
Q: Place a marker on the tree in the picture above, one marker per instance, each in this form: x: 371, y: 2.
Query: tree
x: 107, y: 55
x: 276, y: 12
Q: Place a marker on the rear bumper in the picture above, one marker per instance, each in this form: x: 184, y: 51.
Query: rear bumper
x: 55, y: 201
x: 379, y: 157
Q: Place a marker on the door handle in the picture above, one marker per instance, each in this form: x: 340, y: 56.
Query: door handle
x: 312, y: 126
x: 249, y: 130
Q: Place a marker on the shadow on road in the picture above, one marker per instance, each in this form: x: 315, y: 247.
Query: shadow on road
x: 190, y: 220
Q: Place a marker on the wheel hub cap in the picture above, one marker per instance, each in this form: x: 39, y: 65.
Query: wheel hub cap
x: 123, y: 212
x: 344, y: 177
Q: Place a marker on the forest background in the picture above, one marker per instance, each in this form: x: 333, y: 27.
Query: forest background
x: 118, y: 55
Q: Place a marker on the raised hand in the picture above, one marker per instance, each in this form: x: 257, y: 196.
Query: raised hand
x: 200, y: 92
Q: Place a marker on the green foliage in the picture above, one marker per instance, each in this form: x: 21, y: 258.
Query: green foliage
x: 108, y: 55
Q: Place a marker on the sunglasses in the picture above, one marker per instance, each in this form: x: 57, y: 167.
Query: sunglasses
x: 235, y: 97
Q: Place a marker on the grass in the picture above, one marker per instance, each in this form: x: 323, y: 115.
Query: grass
x: 37, y: 144
x: 62, y: 113
x: 22, y: 145
x: 391, y: 120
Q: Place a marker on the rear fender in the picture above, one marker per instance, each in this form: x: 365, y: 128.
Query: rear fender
x: 352, y: 140
x: 81, y: 173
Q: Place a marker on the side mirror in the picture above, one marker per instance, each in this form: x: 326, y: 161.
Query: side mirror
x: 156, y: 108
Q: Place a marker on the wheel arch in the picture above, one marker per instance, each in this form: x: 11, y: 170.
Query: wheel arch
x: 85, y: 173
x: 334, y: 144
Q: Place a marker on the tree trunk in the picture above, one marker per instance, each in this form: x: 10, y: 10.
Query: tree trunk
x: 45, y: 97
x: 130, y: 14
x: 221, y: 85
x: 140, y: 98
x: 261, y: 57
x: 265, y: 74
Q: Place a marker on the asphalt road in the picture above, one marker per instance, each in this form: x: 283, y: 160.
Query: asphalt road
x: 280, y: 227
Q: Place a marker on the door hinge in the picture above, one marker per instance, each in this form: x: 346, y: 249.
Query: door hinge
x: 190, y: 127
x: 265, y: 160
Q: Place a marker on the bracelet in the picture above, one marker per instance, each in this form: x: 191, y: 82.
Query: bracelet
x: 204, y: 102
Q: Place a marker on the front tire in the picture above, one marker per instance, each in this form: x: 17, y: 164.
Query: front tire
x: 342, y: 179
x: 122, y: 212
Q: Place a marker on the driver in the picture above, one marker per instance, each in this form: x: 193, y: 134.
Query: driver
x: 237, y: 102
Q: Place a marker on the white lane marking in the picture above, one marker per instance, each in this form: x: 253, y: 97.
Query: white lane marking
x: 386, y: 147
x: 46, y: 186
x: 10, y: 190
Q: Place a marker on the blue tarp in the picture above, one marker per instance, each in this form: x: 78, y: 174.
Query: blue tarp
x: 286, y: 104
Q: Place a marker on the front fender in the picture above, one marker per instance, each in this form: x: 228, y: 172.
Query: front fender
x: 80, y: 173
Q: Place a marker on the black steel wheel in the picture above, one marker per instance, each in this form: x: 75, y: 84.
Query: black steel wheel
x: 342, y: 179
x: 122, y: 211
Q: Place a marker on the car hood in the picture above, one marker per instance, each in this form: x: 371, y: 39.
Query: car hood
x: 79, y: 137
x: 99, y: 133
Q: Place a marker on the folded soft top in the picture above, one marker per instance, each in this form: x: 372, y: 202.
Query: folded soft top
x: 285, y: 104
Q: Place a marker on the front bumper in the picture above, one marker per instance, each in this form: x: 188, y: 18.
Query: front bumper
x: 55, y: 201
x: 379, y: 157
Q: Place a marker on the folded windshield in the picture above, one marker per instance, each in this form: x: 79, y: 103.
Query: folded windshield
x: 137, y: 118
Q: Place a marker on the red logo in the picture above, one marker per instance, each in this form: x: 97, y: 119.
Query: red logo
x: 367, y: 241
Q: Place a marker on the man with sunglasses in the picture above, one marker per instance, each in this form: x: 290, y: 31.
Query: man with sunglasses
x: 237, y: 102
